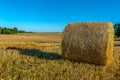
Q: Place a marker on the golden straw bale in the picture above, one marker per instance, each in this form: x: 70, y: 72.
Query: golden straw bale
x: 90, y: 42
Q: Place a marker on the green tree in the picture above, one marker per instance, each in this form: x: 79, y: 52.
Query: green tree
x: 15, y: 30
x: 0, y: 30
x: 4, y: 30
x: 117, y: 29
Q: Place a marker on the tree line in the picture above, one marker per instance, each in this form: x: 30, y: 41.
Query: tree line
x: 4, y: 30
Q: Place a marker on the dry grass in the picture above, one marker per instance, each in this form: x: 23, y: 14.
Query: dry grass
x: 89, y: 41
x: 28, y: 57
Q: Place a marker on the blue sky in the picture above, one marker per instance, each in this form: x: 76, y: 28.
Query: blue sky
x: 54, y: 15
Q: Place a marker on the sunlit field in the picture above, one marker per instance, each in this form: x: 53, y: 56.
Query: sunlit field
x: 37, y: 56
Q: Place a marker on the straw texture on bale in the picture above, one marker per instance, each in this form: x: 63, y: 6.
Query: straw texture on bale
x: 89, y: 42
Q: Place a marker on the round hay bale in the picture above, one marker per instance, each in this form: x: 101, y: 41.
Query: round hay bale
x: 89, y: 42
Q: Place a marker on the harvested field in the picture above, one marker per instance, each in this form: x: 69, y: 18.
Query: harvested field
x: 37, y: 56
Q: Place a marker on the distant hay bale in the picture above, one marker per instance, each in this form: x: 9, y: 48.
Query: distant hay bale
x: 89, y: 42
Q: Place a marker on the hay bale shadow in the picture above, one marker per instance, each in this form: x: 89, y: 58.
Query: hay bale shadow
x: 37, y: 53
